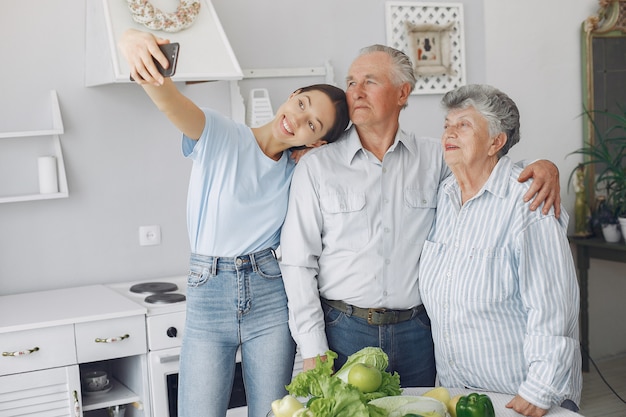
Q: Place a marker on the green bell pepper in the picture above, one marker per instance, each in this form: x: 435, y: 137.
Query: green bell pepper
x: 475, y: 405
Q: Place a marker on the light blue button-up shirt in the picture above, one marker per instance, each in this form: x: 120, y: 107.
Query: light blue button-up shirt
x: 355, y: 228
x: 499, y: 284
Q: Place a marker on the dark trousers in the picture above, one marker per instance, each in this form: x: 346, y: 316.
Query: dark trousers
x: 409, y: 344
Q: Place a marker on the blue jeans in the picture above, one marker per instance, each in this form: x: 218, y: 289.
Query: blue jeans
x: 232, y: 303
x: 409, y: 344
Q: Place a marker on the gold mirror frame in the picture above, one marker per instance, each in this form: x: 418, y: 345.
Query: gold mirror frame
x: 609, y: 22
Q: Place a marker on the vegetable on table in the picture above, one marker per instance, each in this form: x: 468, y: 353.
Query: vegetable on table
x: 439, y: 393
x: 475, y: 405
x: 334, y: 396
x: 286, y: 406
x: 452, y: 404
x: 401, y: 406
x: 365, y: 377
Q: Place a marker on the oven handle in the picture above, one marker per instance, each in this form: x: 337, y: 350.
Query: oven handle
x: 169, y: 358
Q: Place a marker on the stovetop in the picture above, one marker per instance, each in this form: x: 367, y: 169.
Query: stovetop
x: 158, y: 296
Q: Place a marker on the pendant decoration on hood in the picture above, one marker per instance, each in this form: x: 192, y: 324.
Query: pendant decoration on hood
x: 145, y: 13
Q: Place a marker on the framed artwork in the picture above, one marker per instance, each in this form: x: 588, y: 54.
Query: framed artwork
x: 431, y: 34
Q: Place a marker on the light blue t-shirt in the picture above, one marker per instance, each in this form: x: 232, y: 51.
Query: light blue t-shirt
x: 237, y: 198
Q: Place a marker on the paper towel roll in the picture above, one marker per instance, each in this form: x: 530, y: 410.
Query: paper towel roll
x: 48, y: 182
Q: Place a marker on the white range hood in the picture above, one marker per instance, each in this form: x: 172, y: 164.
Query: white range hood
x: 205, y: 53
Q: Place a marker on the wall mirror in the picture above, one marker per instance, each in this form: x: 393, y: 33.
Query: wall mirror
x: 604, y: 72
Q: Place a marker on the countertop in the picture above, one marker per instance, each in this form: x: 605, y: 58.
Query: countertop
x: 40, y: 309
x: 499, y: 403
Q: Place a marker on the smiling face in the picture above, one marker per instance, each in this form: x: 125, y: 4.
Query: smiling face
x: 304, y: 119
x: 467, y: 143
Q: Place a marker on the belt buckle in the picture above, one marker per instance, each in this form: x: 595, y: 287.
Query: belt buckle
x: 380, y: 313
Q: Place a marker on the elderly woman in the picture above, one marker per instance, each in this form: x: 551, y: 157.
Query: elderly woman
x: 497, y: 279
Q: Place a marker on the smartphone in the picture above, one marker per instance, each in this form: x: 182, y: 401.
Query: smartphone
x: 170, y: 50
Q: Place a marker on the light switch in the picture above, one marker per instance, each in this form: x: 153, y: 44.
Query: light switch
x: 150, y: 235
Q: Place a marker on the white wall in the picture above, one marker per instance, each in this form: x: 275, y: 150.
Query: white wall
x: 123, y: 158
x: 533, y: 54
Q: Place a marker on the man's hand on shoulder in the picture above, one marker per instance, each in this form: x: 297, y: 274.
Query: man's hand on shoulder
x: 545, y: 188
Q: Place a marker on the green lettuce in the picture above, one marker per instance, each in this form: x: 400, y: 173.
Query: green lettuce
x: 373, y: 356
x: 378, y: 358
x: 332, y: 396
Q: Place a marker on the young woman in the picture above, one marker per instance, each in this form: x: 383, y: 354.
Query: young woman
x: 237, y: 201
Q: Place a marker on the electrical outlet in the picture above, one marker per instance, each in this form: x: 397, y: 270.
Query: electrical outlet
x: 150, y: 235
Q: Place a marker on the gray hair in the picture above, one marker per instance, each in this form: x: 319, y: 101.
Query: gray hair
x: 402, y: 71
x: 496, y: 107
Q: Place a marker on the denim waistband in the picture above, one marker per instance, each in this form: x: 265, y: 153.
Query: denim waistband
x: 217, y: 263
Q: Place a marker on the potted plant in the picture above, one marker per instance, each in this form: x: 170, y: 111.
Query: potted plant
x: 604, y: 218
x: 606, y: 156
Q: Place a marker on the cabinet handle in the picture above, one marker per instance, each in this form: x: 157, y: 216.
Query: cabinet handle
x: 21, y: 352
x: 76, y: 405
x: 112, y: 339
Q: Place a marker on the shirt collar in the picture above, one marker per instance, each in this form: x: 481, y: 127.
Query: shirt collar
x: 497, y: 183
x: 353, y: 144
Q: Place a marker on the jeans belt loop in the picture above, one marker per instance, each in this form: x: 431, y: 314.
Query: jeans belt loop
x: 214, y: 266
x: 252, y: 261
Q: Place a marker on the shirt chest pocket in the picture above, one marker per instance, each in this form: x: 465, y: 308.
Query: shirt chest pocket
x: 345, y: 220
x: 492, y: 273
x: 418, y: 212
x: 420, y: 199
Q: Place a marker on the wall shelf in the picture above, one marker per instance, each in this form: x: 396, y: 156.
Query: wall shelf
x: 40, y: 140
x: 237, y: 102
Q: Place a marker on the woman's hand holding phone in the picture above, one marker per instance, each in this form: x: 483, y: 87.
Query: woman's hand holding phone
x: 150, y: 58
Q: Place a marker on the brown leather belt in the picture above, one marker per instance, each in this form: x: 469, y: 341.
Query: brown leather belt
x: 375, y: 316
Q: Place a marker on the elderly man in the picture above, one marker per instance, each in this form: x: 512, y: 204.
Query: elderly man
x: 359, y: 212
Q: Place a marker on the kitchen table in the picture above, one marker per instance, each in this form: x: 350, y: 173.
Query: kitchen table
x: 586, y: 249
x: 499, y: 402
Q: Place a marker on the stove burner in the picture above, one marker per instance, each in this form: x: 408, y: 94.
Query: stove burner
x: 165, y: 298
x: 153, y: 287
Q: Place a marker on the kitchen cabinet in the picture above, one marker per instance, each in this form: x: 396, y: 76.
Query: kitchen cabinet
x: 19, y: 150
x: 48, y: 339
x: 54, y: 391
x: 205, y: 53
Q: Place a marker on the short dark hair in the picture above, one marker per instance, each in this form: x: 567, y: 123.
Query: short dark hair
x: 338, y: 97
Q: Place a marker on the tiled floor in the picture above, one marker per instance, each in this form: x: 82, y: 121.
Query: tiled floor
x: 597, y: 399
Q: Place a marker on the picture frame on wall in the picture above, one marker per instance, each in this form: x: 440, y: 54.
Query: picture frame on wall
x: 431, y: 34
x: 430, y: 49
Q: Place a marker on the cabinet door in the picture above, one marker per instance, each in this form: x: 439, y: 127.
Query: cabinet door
x: 46, y: 393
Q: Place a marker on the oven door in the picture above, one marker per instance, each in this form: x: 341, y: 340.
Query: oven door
x: 163, y: 370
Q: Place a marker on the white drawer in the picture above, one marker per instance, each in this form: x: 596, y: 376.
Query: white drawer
x: 28, y: 350
x: 108, y: 339
x: 165, y: 330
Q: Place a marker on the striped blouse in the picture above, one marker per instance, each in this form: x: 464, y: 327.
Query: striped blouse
x: 499, y: 284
